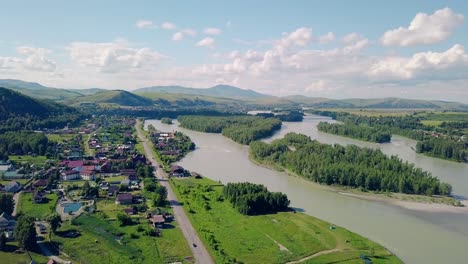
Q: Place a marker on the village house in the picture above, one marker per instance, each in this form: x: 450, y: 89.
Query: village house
x: 157, y: 221
x: 88, y: 173
x: 39, y: 197
x: 7, y: 225
x: 124, y: 198
x: 40, y: 183
x: 177, y: 170
x: 70, y: 175
x: 12, y: 186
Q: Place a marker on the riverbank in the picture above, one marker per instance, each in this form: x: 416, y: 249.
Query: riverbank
x: 272, y: 238
x: 408, y: 201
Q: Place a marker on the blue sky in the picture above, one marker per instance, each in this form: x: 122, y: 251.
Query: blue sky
x: 334, y: 48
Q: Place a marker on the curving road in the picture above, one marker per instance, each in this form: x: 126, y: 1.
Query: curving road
x: 199, y: 252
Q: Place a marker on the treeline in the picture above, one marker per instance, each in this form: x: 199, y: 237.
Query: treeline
x: 21, y: 143
x: 255, y: 199
x: 352, y: 166
x: 454, y: 125
x: 285, y: 116
x: 446, y: 149
x: 356, y: 131
x: 166, y: 120
x: 242, y: 129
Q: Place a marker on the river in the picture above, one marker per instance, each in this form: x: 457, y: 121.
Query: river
x: 414, y: 236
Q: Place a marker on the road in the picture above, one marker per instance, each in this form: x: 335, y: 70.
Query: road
x: 199, y: 252
x: 16, y: 197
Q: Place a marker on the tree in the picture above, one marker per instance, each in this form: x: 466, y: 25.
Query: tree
x: 3, y: 241
x: 55, y: 222
x: 7, y: 203
x: 25, y: 232
x: 124, y: 219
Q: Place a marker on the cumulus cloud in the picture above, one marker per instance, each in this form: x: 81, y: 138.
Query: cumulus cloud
x: 181, y: 34
x: 212, y: 31
x: 352, y: 38
x: 33, y: 59
x: 327, y: 38
x: 168, y: 26
x: 206, y: 42
x: 177, y: 36
x: 452, y: 63
x: 145, y: 24
x: 111, y: 57
x: 424, y: 29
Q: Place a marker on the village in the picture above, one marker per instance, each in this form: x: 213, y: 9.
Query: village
x: 97, y: 170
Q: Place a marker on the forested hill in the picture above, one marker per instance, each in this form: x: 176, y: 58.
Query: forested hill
x: 21, y: 112
x: 117, y: 97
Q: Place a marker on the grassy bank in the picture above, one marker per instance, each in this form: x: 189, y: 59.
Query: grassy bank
x: 274, y: 238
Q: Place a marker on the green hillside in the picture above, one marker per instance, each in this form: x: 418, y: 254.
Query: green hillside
x: 20, y: 112
x: 222, y: 91
x: 118, y: 97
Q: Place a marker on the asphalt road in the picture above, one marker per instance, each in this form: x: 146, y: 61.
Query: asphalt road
x: 199, y: 252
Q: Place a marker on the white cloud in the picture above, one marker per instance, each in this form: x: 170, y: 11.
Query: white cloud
x: 452, y: 63
x: 177, y: 36
x: 212, y: 31
x: 34, y: 59
x: 181, y: 34
x: 352, y: 38
x: 145, y: 24
x: 327, y: 38
x: 111, y: 57
x: 189, y: 32
x: 206, y: 42
x: 168, y: 26
x: 424, y: 29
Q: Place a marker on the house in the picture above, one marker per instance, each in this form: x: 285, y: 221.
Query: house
x: 112, y: 190
x: 70, y: 175
x: 177, y: 170
x: 39, y: 197
x: 125, y: 182
x: 13, y: 175
x: 124, y: 198
x: 130, y: 211
x: 12, y: 186
x: 40, y: 183
x: 157, y: 221
x: 7, y: 225
x: 72, y: 164
x: 88, y: 173
x: 129, y: 173
x: 139, y: 158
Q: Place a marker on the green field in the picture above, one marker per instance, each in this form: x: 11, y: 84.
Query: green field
x: 37, y: 210
x: 374, y: 112
x: 102, y: 240
x: 22, y: 181
x: 274, y: 238
x: 10, y: 257
x: 113, y: 179
x: 445, y: 116
x: 60, y: 137
x: 37, y: 160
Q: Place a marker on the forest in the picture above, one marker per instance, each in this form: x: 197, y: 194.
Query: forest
x: 447, y: 149
x: 21, y: 143
x: 241, y: 129
x: 254, y: 199
x: 356, y: 131
x: 352, y: 166
x: 450, y: 145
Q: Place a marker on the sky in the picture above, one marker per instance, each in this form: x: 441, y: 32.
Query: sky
x: 335, y: 49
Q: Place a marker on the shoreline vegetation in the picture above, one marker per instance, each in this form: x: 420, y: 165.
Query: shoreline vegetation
x: 441, y: 135
x: 241, y: 129
x: 409, y: 201
x: 232, y: 237
x: 412, y: 185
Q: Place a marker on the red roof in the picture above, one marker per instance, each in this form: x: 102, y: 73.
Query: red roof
x: 72, y: 163
x: 41, y: 182
x: 70, y: 172
x: 124, y: 196
x: 158, y: 219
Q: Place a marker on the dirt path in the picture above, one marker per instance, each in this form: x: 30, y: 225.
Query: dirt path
x: 199, y: 252
x: 325, y: 252
x: 16, y: 197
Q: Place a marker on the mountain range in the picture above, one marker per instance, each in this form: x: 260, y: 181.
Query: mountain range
x: 219, y: 94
